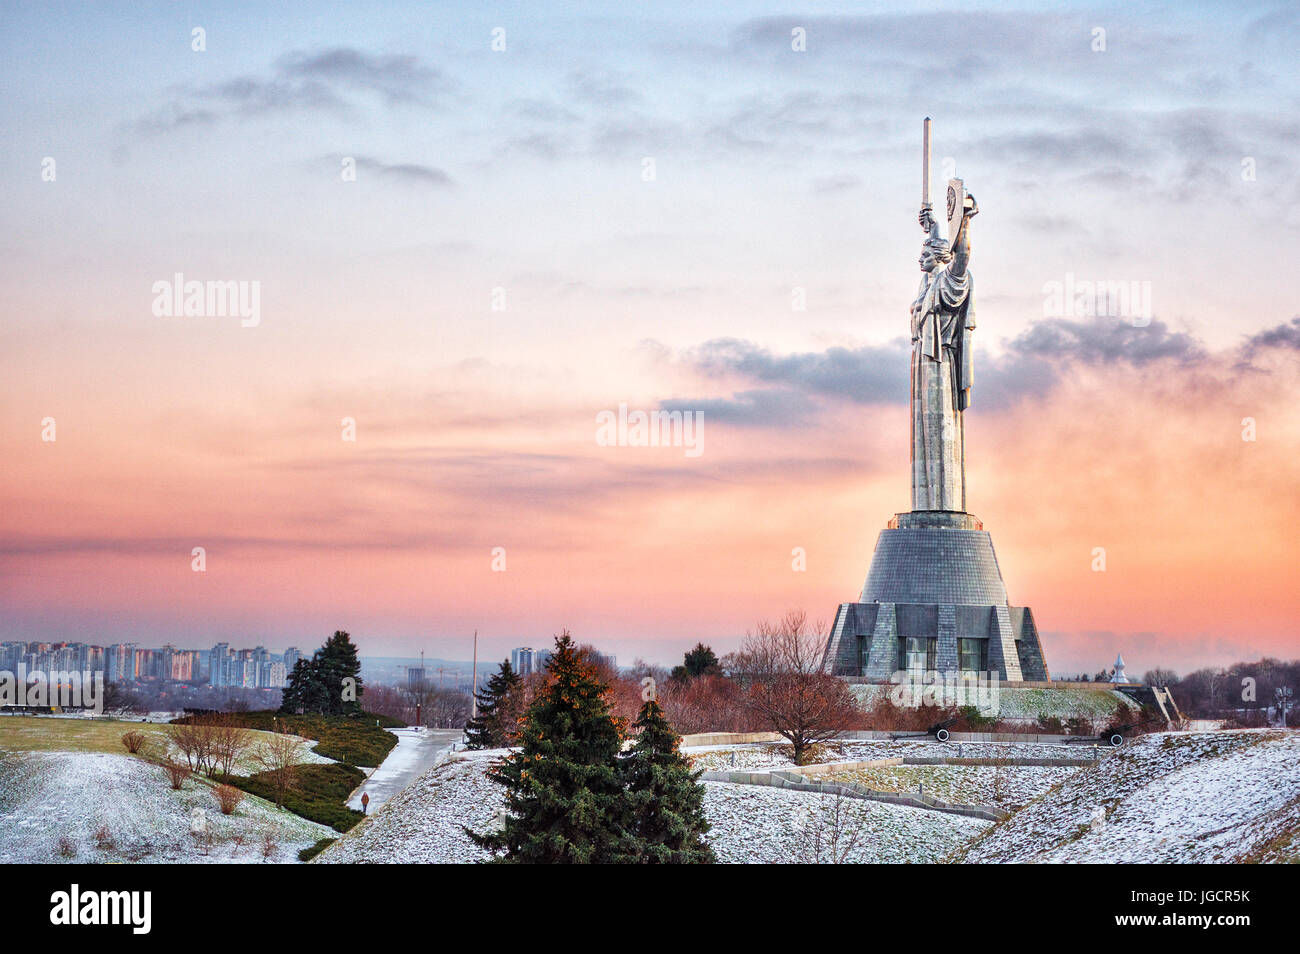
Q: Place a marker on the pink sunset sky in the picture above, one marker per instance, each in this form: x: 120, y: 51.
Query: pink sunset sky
x: 516, y: 178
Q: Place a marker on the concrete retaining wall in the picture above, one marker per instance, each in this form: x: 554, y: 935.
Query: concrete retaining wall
x: 729, y: 738
x: 1067, y: 763
x: 1005, y: 684
x: 799, y: 782
x: 1026, y: 737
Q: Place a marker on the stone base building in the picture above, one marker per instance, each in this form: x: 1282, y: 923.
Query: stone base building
x: 934, y: 600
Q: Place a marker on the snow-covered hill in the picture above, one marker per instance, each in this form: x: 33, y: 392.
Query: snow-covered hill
x: 751, y: 824
x: 88, y: 807
x: 1169, y: 797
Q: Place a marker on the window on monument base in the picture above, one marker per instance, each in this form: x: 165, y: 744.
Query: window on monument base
x: 862, y: 655
x: 917, y: 653
x: 972, y: 655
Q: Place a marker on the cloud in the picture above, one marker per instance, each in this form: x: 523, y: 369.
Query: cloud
x: 601, y: 88
x: 780, y: 407
x: 397, y: 78
x: 1285, y: 335
x: 410, y: 173
x: 865, y: 375
x: 841, y: 182
x: 321, y: 81
x: 1105, y: 340
x: 1028, y: 365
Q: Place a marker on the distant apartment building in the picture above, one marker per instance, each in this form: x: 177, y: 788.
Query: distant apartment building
x: 219, y: 657
x: 119, y: 663
x: 526, y: 660
x: 521, y: 660
x: 276, y: 677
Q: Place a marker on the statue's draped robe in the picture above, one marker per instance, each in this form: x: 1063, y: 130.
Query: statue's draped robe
x: 943, y: 317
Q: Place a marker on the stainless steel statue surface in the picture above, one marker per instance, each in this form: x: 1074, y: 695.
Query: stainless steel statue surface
x: 943, y: 317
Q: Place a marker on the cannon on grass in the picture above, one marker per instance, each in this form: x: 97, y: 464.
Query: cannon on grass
x: 1114, y: 736
x: 939, y: 731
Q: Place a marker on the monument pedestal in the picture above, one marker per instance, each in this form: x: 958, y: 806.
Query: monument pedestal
x: 934, y: 599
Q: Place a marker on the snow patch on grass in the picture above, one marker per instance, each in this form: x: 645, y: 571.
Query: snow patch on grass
x: 1169, y: 797
x: 46, y: 797
x: 755, y: 824
x: 1003, y: 786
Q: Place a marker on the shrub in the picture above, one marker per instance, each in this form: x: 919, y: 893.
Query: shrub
x: 176, y: 772
x: 1079, y: 725
x: 104, y: 840
x: 66, y: 848
x: 134, y: 741
x: 310, y: 852
x: 228, y: 797
x: 972, y: 720
x: 1051, y: 725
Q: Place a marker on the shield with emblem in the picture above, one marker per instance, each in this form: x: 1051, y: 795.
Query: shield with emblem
x: 956, y: 206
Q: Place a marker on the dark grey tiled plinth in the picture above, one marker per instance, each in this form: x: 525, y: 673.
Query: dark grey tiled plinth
x: 934, y: 566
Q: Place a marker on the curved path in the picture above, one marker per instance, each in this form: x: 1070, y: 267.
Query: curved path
x: 415, y: 753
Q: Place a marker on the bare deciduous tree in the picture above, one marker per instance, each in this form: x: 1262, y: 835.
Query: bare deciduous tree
x: 279, y: 756
x: 779, y: 668
x: 831, y: 830
x: 230, y: 741
x: 193, y: 740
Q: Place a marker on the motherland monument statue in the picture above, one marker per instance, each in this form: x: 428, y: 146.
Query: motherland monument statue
x: 934, y: 600
x: 943, y: 317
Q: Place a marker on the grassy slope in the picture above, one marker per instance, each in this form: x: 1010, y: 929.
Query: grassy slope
x: 320, y: 793
x: 356, y: 741
x: 55, y: 734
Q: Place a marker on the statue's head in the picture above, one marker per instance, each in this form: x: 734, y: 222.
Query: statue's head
x: 934, y: 252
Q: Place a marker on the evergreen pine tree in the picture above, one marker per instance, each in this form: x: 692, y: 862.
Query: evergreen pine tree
x: 335, y: 662
x: 666, y: 799
x: 303, y: 688
x: 565, y: 798
x: 487, y: 729
x: 700, y: 661
x: 316, y: 684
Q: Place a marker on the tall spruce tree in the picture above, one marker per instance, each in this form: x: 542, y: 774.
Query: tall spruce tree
x: 302, y: 688
x: 667, y: 802
x: 317, y: 684
x: 335, y: 663
x: 488, y: 730
x: 566, y: 801
x: 700, y: 661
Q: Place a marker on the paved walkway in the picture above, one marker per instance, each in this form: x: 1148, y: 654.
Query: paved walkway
x: 413, y: 755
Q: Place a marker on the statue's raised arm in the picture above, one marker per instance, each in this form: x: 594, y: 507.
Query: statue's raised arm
x: 961, y: 244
